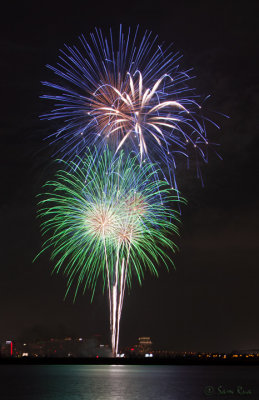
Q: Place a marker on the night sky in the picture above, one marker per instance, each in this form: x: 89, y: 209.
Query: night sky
x: 210, y: 302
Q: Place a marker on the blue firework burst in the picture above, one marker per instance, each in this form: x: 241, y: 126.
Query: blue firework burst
x: 129, y: 93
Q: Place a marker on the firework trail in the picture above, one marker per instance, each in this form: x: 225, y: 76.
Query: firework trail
x: 129, y: 93
x: 106, y: 217
x: 108, y: 214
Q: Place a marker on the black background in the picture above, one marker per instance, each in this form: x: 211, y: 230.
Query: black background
x: 210, y: 302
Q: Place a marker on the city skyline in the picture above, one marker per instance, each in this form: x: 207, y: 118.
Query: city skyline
x: 80, y: 347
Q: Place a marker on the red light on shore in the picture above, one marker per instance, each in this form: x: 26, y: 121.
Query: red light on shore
x: 97, y: 356
x: 11, y: 349
x: 132, y: 349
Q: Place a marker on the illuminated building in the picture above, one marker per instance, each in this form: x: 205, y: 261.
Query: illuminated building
x: 7, y: 348
x: 144, y: 345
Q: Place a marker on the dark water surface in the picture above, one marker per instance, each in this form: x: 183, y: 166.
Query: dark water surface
x: 128, y: 382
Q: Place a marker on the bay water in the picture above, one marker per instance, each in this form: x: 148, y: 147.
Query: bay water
x: 128, y: 382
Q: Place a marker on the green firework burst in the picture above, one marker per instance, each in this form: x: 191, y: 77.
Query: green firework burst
x: 104, y: 212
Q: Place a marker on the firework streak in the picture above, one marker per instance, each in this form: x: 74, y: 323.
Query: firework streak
x: 105, y: 216
x: 128, y: 94
x: 125, y: 115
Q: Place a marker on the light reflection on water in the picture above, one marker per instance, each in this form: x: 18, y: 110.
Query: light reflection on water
x: 122, y: 382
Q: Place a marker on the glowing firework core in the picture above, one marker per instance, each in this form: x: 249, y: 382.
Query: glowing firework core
x: 119, y: 222
x: 101, y: 220
x: 133, y: 112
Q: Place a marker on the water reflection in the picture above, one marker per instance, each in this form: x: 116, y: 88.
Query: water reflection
x: 120, y: 382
